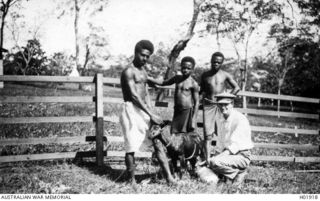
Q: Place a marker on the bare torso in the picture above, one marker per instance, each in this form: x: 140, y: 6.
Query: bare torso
x: 183, y: 92
x: 138, y: 78
x: 213, y: 83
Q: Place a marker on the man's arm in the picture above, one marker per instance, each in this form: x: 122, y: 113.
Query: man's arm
x: 207, y: 142
x: 233, y: 84
x: 195, y: 97
x: 148, y: 99
x: 161, y: 82
x: 201, y: 84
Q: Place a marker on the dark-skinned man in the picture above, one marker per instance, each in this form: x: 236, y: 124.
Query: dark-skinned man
x: 136, y: 117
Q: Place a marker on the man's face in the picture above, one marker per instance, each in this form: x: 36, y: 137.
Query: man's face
x: 142, y: 56
x: 225, y: 108
x: 186, y: 68
x: 216, y: 62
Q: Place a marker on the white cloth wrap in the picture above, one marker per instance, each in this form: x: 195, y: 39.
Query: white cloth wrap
x: 135, y: 125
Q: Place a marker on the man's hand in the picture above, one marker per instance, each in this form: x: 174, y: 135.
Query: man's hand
x: 203, y: 163
x: 155, y: 119
x: 225, y: 152
x: 194, y: 123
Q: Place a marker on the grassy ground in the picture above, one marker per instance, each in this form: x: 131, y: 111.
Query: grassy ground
x: 64, y: 176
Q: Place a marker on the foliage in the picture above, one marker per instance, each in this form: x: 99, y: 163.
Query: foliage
x: 159, y: 61
x: 5, y: 7
x: 93, y: 45
x: 59, y: 64
x: 28, y: 60
x: 238, y: 20
x: 291, y: 59
x: 311, y: 8
x: 304, y: 80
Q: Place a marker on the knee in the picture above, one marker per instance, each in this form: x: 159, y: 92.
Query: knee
x: 215, y: 162
x: 157, y: 145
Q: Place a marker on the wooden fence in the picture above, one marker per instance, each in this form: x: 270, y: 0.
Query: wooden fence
x: 99, y: 119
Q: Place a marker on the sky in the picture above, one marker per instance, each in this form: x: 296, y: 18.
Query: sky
x: 126, y: 22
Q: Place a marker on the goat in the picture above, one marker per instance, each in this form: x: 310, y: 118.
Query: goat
x: 183, y: 149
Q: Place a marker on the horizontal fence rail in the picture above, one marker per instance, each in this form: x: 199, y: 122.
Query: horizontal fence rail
x: 279, y: 97
x: 99, y: 100
x: 84, y: 139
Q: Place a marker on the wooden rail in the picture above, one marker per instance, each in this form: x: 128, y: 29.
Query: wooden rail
x: 84, y: 139
x: 269, y: 96
x: 98, y: 119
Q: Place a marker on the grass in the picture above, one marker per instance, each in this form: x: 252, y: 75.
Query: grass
x: 66, y: 176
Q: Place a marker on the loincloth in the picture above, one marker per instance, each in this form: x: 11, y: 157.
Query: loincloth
x: 135, y: 125
x: 182, y: 120
x: 210, y: 118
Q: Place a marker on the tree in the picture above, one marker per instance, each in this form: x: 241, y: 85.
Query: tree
x: 304, y: 79
x: 4, y: 11
x: 59, y: 64
x: 310, y: 8
x: 5, y: 6
x: 237, y: 21
x: 175, y: 52
x: 29, y: 59
x: 84, y: 10
x: 159, y: 61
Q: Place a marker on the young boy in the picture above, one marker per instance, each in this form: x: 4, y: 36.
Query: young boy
x: 186, y: 97
x: 183, y: 140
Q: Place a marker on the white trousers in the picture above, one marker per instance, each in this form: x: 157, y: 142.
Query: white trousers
x: 229, y: 165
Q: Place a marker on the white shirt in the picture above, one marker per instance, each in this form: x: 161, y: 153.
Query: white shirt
x: 234, y: 133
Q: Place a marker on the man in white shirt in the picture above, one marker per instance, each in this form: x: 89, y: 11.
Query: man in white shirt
x: 233, y: 143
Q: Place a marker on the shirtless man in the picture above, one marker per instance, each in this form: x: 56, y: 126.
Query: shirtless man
x: 214, y: 82
x: 186, y: 104
x: 136, y: 116
x: 186, y: 97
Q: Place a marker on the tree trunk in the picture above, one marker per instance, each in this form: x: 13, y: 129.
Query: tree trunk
x: 1, y: 46
x: 3, y: 14
x: 245, y: 68
x: 76, y: 33
x: 218, y: 36
x: 175, y: 52
x: 279, y: 93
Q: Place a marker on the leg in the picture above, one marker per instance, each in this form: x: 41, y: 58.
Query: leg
x: 130, y: 164
x: 163, y: 160
x: 174, y: 163
x: 228, y: 166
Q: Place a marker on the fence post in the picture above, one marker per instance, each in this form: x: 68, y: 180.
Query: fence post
x: 99, y: 119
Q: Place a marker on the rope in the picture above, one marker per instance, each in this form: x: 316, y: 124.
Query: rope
x: 194, y: 151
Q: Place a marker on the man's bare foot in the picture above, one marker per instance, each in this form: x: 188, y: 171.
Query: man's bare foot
x: 172, y: 182
x: 133, y: 184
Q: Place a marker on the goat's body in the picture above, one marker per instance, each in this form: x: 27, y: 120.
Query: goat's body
x: 182, y: 148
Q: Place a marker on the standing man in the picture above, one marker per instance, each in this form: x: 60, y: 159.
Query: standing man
x: 214, y: 82
x: 136, y: 116
x: 234, y: 141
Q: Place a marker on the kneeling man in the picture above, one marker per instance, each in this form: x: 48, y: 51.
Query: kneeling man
x: 233, y: 143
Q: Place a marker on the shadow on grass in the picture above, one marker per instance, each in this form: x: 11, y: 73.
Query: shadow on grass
x: 117, y: 175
